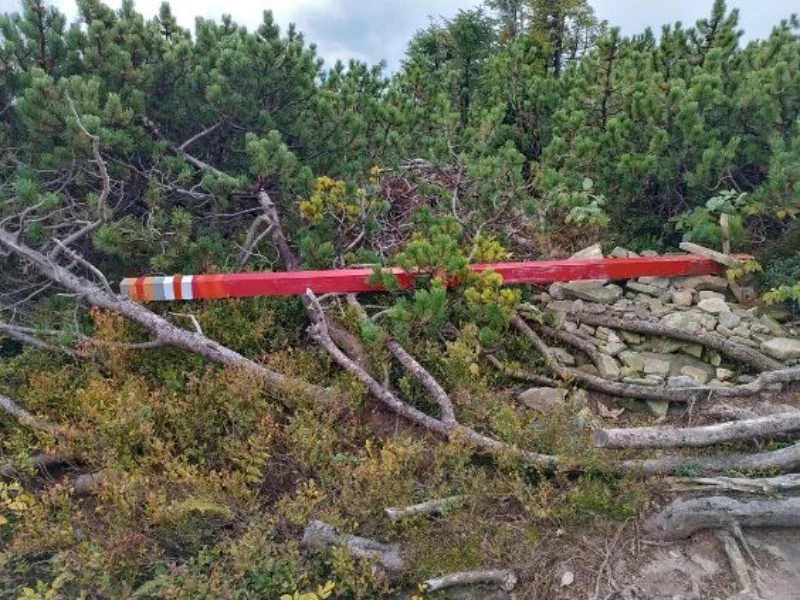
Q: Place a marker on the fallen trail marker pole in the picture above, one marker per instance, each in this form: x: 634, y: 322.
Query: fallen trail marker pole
x: 344, y: 281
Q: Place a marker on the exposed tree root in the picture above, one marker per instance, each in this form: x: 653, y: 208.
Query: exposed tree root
x: 320, y: 536
x: 785, y: 460
x: 742, y: 354
x: 766, y: 485
x: 738, y: 564
x: 696, y: 437
x: 683, y: 518
x: 506, y: 579
x: 429, y: 508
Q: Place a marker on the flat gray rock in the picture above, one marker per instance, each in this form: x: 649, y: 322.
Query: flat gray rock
x: 609, y: 368
x: 656, y: 366
x: 591, y: 291
x: 713, y: 306
x: 545, y: 400
x: 729, y: 320
x: 644, y: 288
x: 702, y: 282
x: 700, y: 376
x: 682, y: 298
x: 782, y: 348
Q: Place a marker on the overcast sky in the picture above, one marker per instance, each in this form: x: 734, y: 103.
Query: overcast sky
x: 373, y: 30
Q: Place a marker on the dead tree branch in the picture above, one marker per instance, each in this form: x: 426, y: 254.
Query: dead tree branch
x: 521, y: 375
x: 718, y: 257
x: 420, y: 373
x: 199, y: 136
x: 696, y: 437
x: 24, y: 336
x: 29, y: 420
x: 594, y: 382
x: 102, y: 202
x: 320, y: 333
x: 785, y: 460
x: 766, y: 485
x: 180, y: 150
x: 742, y: 354
x: 683, y: 518
x: 164, y: 331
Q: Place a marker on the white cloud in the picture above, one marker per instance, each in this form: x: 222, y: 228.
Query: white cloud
x: 380, y: 29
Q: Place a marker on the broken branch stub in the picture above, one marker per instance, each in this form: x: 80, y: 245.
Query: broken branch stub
x: 320, y: 536
x: 504, y: 578
x: 431, y: 507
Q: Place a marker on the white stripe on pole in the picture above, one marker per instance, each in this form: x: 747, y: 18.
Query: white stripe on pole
x: 169, y: 292
x: 186, y: 288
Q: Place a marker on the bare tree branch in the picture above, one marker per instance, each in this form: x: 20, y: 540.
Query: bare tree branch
x: 419, y: 372
x: 737, y: 352
x: 164, y: 332
x: 506, y: 579
x: 23, y: 335
x: 696, y: 437
x: 102, y: 202
x: 320, y: 333
x: 431, y: 507
x: 785, y: 460
x: 198, y: 136
x: 521, y: 375
x: 180, y: 151
x: 79, y: 259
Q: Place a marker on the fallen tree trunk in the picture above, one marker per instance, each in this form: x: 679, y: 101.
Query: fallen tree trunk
x: 764, y: 485
x: 696, y: 437
x: 738, y: 352
x: 507, y: 580
x: 785, y: 460
x: 686, y: 517
x: 320, y: 536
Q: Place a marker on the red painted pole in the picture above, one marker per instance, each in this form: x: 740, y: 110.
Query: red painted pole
x: 242, y: 285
